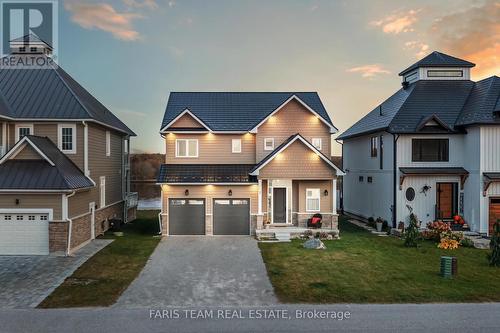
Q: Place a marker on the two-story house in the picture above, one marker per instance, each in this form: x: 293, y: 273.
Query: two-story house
x: 237, y: 161
x: 433, y: 148
x: 64, y: 163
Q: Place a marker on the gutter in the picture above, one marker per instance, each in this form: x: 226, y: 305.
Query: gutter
x: 70, y: 221
x: 395, y: 180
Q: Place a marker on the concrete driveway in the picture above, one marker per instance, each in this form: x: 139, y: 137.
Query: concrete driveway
x: 201, y: 271
x: 25, y: 281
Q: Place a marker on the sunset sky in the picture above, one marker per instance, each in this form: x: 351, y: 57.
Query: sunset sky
x: 131, y: 53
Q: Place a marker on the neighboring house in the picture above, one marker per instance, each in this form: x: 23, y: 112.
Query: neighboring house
x: 64, y: 166
x: 433, y: 146
x: 235, y: 161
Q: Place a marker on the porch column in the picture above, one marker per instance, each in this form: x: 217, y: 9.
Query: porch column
x: 260, y: 197
x: 334, y: 196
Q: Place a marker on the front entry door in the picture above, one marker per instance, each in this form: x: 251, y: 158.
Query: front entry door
x: 279, y: 205
x: 447, y: 200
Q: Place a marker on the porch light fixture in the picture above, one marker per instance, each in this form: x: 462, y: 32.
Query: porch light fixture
x: 326, y: 193
x: 230, y: 193
x: 186, y: 192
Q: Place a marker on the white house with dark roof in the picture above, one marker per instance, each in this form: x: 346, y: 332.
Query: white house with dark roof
x: 433, y: 147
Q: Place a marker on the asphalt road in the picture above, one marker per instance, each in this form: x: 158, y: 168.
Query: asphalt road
x: 361, y: 318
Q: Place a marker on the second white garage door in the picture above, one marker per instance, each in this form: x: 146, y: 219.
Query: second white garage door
x: 24, y: 234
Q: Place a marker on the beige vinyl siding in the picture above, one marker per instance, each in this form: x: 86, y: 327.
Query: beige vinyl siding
x: 28, y: 153
x: 297, y: 162
x: 214, y: 149
x: 79, y: 203
x: 293, y: 118
x: 210, y: 192
x: 51, y: 131
x: 325, y: 201
x: 31, y: 201
x: 102, y: 165
x: 186, y: 121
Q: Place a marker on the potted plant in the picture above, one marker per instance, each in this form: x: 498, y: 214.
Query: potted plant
x: 380, y: 224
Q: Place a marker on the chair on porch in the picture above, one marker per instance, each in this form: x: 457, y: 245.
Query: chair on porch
x: 315, y: 221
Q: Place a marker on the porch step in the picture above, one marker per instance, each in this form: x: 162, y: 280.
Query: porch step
x: 282, y: 236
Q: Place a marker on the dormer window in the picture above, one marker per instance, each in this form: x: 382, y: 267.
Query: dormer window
x: 445, y: 73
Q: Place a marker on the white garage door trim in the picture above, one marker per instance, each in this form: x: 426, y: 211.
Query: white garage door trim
x: 29, y: 236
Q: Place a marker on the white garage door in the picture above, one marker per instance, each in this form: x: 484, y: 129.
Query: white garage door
x: 24, y: 234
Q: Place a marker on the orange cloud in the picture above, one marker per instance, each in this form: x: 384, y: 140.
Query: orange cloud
x: 421, y: 48
x: 398, y: 22
x: 369, y: 71
x: 104, y: 17
x: 472, y: 34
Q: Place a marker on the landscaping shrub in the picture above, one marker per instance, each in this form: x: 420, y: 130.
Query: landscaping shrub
x: 385, y: 226
x: 323, y: 235
x: 467, y: 242
x: 371, y: 222
x: 495, y: 245
x: 435, y: 229
x: 412, y: 235
x: 448, y: 244
x: 307, y: 234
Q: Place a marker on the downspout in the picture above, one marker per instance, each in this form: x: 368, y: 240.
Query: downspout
x: 395, y: 175
x: 70, y: 221
x: 160, y: 227
x: 86, y: 148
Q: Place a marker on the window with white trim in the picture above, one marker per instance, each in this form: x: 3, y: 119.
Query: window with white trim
x: 317, y: 143
x: 312, y: 199
x: 269, y: 144
x: 108, y: 143
x: 186, y: 148
x: 22, y: 131
x: 236, y: 146
x: 102, y: 191
x: 67, y: 138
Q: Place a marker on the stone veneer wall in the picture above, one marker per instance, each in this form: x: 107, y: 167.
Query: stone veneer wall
x: 58, y: 237
x: 329, y: 221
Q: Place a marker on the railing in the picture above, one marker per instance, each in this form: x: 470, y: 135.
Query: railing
x: 2, y: 151
x: 132, y: 199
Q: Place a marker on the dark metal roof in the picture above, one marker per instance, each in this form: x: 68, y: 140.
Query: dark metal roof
x: 483, y: 102
x: 39, y: 174
x: 492, y: 175
x: 434, y: 171
x: 438, y: 59
x: 455, y: 103
x: 206, y: 173
x: 50, y: 93
x: 235, y: 111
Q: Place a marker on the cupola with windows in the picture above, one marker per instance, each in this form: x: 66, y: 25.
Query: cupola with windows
x: 30, y: 44
x: 437, y: 66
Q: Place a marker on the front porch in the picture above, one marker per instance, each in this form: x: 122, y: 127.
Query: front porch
x: 288, y: 204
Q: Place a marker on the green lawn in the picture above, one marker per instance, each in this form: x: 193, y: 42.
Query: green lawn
x: 364, y: 268
x: 103, y: 278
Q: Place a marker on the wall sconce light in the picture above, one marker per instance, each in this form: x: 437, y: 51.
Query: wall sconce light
x: 186, y: 192
x: 17, y: 202
x: 230, y: 193
x: 326, y: 193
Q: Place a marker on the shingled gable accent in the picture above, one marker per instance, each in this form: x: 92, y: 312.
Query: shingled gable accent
x: 19, y: 146
x: 182, y: 114
x: 333, y: 130
x: 285, y: 145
